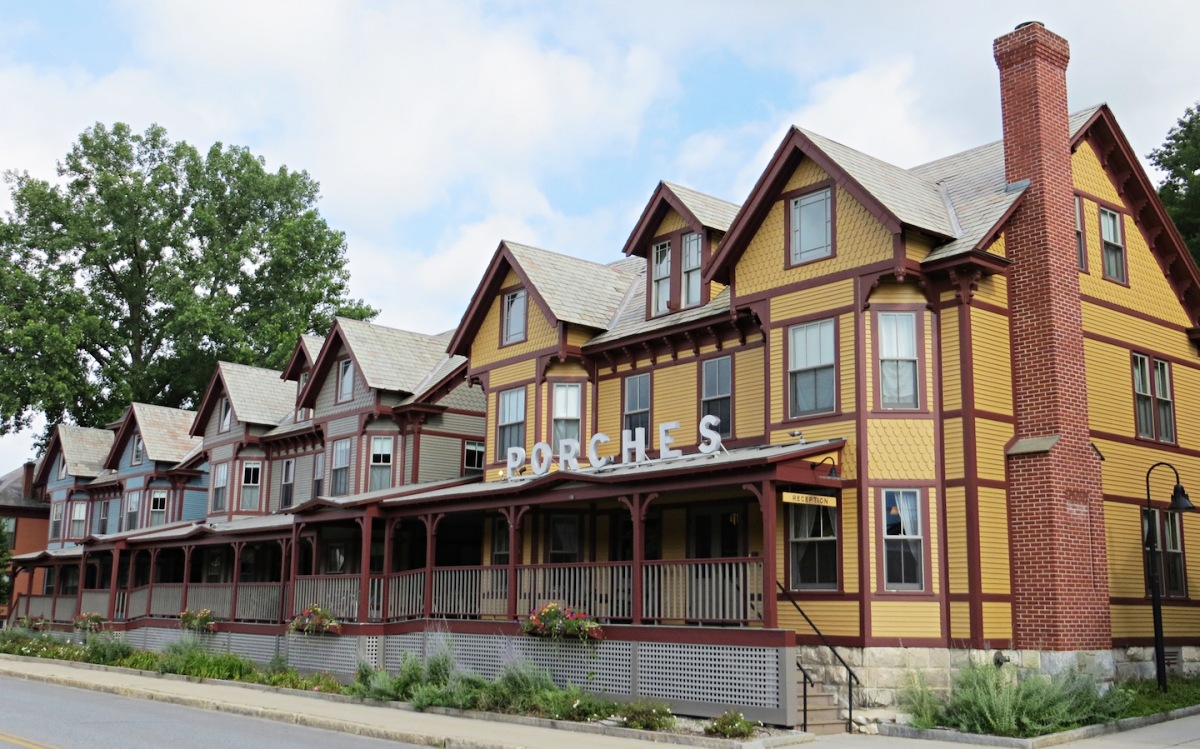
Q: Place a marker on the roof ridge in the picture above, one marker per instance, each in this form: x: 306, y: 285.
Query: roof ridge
x: 393, y: 329
x: 676, y: 185
x: 556, y: 253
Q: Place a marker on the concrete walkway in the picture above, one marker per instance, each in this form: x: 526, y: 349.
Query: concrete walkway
x: 339, y: 714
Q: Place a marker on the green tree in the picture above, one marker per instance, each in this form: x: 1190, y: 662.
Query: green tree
x: 1179, y: 158
x: 145, y: 263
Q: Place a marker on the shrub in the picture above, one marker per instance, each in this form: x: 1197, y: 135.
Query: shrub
x: 516, y: 689
x: 921, y: 702
x: 427, y: 696
x: 731, y: 725
x: 142, y: 660
x: 188, y: 657
x: 290, y: 678
x: 647, y: 715
x: 465, y: 691
x: 572, y: 704
x: 410, y: 676
x: 197, y: 621
x: 89, y: 622
x: 106, y: 648
x: 34, y: 623
x: 439, y: 668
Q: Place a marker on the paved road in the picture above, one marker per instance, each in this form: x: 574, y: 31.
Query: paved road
x: 34, y: 715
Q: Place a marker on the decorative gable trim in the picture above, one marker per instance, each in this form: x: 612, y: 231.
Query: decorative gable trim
x: 330, y: 353
x: 661, y: 201
x: 298, y: 361
x: 485, y: 295
x: 212, y: 396
x: 124, y: 426
x: 53, y: 448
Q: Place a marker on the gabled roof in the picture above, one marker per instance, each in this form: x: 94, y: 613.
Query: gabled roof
x: 700, y: 211
x: 12, y: 491
x: 304, y: 354
x: 166, y: 433
x: 257, y: 395
x: 84, y: 449
x: 566, y: 289
x: 388, y: 359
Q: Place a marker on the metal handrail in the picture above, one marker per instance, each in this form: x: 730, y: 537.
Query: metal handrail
x: 804, y: 685
x: 851, y: 677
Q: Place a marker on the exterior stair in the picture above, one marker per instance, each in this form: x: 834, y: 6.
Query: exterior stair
x: 825, y: 715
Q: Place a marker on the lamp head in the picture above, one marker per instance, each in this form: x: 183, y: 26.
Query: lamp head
x: 1180, y: 501
x: 833, y: 471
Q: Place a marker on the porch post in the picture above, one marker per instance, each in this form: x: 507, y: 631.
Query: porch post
x: 150, y: 583
x: 285, y: 564
x: 187, y: 576
x: 297, y: 529
x: 79, y: 585
x: 637, y: 506
x: 237, y: 574
x: 389, y: 527
x: 29, y: 574
x: 770, y: 574
x: 513, y: 515
x: 431, y: 522
x: 367, y: 525
x: 112, y: 584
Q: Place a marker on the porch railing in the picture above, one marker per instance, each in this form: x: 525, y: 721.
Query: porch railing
x: 64, y: 608
x: 167, y: 599
x: 37, y: 605
x: 725, y: 591
x: 216, y: 597
x: 603, y: 590
x: 339, y: 594
x: 457, y: 591
x: 94, y: 600
x: 137, y: 603
x: 259, y: 602
x: 406, y: 595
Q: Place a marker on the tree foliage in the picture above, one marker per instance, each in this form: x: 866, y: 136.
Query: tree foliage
x: 1179, y: 158
x: 145, y: 263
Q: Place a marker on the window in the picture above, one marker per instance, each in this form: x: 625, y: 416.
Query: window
x: 813, y: 542
x: 716, y: 396
x: 340, y: 485
x: 381, y: 463
x: 511, y: 424
x: 1113, y: 246
x: 1080, y: 242
x: 287, y: 483
x: 903, y: 546
x: 691, y: 270
x: 251, y: 478
x: 811, y: 372
x: 56, y: 516
x: 158, y: 507
x: 226, y: 415
x: 499, y: 542
x: 62, y: 466
x: 637, y: 403
x: 1162, y: 532
x: 472, y: 457
x: 78, y: 519
x: 302, y: 413
x: 1154, y: 411
x: 514, y: 318
x: 102, y: 519
x: 345, y: 383
x: 220, y: 480
x: 897, y: 360
x: 318, y: 473
x: 564, y: 539
x: 137, y: 450
x: 661, y: 289
x: 133, y: 505
x: 566, y: 413
x: 810, y: 226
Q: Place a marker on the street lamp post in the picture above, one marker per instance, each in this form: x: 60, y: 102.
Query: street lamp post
x: 1179, y: 503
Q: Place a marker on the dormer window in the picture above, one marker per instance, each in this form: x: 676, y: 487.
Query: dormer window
x: 345, y: 382
x: 62, y: 466
x: 513, y: 330
x: 302, y: 413
x: 675, y: 281
x: 810, y: 234
x: 691, y: 270
x: 137, y: 450
x: 226, y: 415
x: 662, y: 277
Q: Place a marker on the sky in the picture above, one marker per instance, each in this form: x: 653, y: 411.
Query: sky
x: 437, y: 129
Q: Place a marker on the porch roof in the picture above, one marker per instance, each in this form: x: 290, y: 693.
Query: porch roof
x: 71, y: 552
x: 367, y: 498
x: 154, y: 530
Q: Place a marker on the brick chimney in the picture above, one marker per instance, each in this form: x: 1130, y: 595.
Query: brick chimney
x: 1059, y: 562
x: 27, y: 487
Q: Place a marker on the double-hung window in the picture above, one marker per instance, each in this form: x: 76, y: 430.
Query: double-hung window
x: 102, y: 518
x: 251, y: 480
x: 62, y: 466
x: 511, y: 424
x: 514, y: 317
x: 78, y: 519
x: 903, y: 542
x: 340, y: 479
x: 1113, y: 244
x: 345, y: 381
x: 1162, y: 534
x: 138, y: 451
x: 716, y: 395
x: 637, y: 403
x: 813, y: 540
x: 318, y: 473
x: 812, y: 375
x: 661, y: 289
x: 690, y: 283
x: 1080, y: 241
x: 811, y: 221
x: 287, y: 483
x: 220, y: 481
x: 381, y: 463
x: 566, y: 413
x: 158, y: 507
x: 56, y: 517
x: 1154, y: 410
x: 897, y: 359
x: 472, y: 457
x: 133, y: 506
x: 226, y: 416
x: 564, y: 539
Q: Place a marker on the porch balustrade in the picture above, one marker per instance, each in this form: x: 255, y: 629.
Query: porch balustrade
x: 167, y: 599
x: 64, y: 608
x: 337, y: 593
x: 94, y: 601
x: 216, y: 597
x: 604, y: 591
x: 719, y: 591
x: 457, y: 591
x: 36, y: 606
x: 406, y: 595
x: 137, y: 603
x: 259, y: 602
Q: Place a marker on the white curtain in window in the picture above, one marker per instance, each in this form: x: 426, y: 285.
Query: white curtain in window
x: 909, y: 520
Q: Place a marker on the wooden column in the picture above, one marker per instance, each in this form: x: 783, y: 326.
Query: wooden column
x: 431, y: 523
x: 150, y: 581
x: 367, y: 525
x: 187, y: 576
x: 112, y: 584
x: 389, y: 528
x: 79, y: 585
x: 290, y: 605
x: 637, y: 505
x: 237, y: 574
x: 765, y: 494
x: 285, y: 564
x: 29, y: 573
x: 513, y: 515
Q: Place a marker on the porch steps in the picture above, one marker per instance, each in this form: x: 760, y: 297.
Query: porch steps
x: 826, y: 716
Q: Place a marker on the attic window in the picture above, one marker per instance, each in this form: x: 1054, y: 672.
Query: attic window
x: 137, y: 450
x: 691, y: 270
x: 62, y: 466
x: 662, y: 277
x: 345, y: 382
x: 675, y: 278
x: 810, y: 234
x: 226, y: 415
x: 513, y: 330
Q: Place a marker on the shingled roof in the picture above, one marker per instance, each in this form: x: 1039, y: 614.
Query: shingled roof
x: 710, y: 211
x: 390, y: 358
x: 12, y: 491
x: 164, y: 431
x: 84, y: 449
x: 257, y: 395
x: 576, y: 290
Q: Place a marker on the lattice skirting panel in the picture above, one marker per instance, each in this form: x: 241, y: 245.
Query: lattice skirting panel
x: 339, y: 656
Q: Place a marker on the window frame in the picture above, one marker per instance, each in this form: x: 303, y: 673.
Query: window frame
x: 685, y: 302
x: 917, y: 359
x: 137, y: 451
x: 834, y: 364
x: 509, y: 337
x: 287, y: 483
x: 1162, y: 522
x: 502, y: 444
x: 921, y: 537
x: 133, y: 511
x: 576, y: 554
x: 1081, y: 234
x: 225, y: 415
x: 556, y: 417
x: 56, y: 519
x: 318, y: 473
x: 791, y: 200
x: 375, y: 468
x: 658, y: 304
x: 220, y: 491
x: 102, y: 518
x: 470, y: 448
x: 78, y: 527
x: 155, y: 495
x: 793, y: 558
x: 251, y: 468
x: 726, y: 426
x: 1120, y: 244
x: 345, y: 380
x: 1154, y: 397
x: 626, y: 413
x: 342, y: 445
